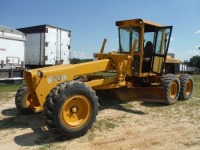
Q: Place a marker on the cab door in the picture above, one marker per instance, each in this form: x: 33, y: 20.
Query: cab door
x: 162, y: 39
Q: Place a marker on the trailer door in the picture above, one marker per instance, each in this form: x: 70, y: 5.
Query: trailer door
x: 161, y: 45
x: 51, y: 46
x: 65, y: 47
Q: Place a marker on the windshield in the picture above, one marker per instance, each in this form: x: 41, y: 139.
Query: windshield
x: 163, y: 37
x: 127, y: 36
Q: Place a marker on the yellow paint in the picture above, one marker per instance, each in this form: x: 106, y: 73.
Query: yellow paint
x: 76, y: 111
x: 158, y: 62
x: 40, y: 87
x: 172, y: 60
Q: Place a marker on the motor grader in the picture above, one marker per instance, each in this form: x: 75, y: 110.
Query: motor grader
x: 139, y: 70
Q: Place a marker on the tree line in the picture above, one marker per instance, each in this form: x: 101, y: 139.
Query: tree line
x: 194, y: 61
x: 77, y: 60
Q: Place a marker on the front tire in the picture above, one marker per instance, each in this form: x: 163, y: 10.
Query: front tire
x: 171, y: 85
x: 70, y: 109
x: 23, y: 101
x: 186, y: 82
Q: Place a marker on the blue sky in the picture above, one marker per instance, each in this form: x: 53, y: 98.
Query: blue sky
x: 91, y: 21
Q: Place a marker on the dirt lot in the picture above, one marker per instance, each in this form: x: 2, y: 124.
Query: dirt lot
x: 119, y: 126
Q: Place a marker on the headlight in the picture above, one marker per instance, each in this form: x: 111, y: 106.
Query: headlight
x: 39, y: 73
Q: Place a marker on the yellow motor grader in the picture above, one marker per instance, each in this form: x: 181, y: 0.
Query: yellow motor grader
x: 138, y: 70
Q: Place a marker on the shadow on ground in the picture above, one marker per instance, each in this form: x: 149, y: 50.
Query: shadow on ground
x: 119, y: 105
x: 38, y: 135
x: 153, y: 104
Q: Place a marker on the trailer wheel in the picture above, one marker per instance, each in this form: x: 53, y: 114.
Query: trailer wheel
x: 23, y: 101
x: 70, y: 109
x: 171, y: 85
x: 186, y: 83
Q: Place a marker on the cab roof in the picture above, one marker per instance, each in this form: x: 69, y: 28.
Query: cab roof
x: 138, y: 21
x: 148, y: 25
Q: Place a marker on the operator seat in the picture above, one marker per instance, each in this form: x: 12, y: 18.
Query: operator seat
x: 148, y: 52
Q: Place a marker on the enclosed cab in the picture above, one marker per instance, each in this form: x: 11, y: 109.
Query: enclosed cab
x: 151, y: 50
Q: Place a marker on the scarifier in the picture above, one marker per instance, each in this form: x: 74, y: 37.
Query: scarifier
x: 139, y: 70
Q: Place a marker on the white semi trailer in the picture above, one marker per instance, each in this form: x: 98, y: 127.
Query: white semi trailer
x: 12, y: 47
x: 46, y: 45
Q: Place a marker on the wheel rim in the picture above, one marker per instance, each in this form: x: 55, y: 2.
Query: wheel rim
x: 188, y: 87
x: 29, y: 101
x: 173, y: 90
x: 76, y: 111
x: 31, y: 104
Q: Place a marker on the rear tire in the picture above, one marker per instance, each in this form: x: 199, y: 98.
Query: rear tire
x: 70, y: 109
x: 23, y: 101
x: 171, y: 85
x: 186, y: 83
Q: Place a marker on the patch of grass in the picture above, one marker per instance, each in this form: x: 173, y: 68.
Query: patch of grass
x: 102, y: 125
x: 125, y: 105
x: 10, y: 88
x: 196, y: 78
x: 105, y: 124
x: 5, y: 96
x: 91, y: 134
x: 192, y: 143
x: 45, y: 146
x: 8, y: 91
x: 187, y: 109
x: 196, y: 91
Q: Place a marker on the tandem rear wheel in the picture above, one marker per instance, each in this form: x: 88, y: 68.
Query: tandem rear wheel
x: 186, y: 82
x: 171, y: 85
x: 177, y: 88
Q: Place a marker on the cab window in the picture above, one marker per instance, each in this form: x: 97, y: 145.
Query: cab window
x: 126, y: 38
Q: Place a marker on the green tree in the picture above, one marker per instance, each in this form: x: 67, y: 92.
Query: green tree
x: 195, y: 61
x: 77, y: 60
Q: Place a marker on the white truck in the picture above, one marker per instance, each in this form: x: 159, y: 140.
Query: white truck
x: 188, y: 69
x: 12, y: 46
x: 46, y: 45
